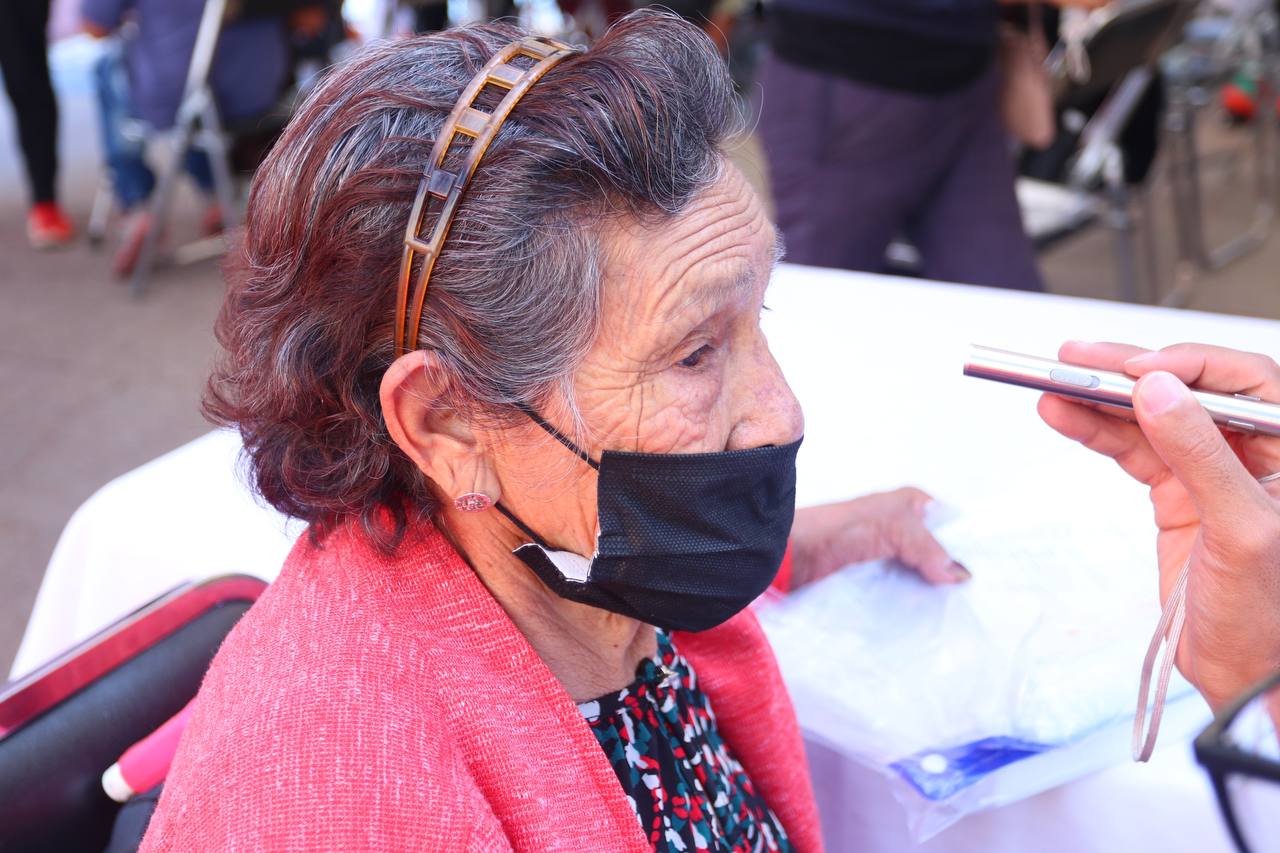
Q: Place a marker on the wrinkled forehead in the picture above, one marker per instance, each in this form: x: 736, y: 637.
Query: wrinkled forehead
x: 717, y: 252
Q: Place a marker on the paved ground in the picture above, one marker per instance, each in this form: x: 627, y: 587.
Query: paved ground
x: 94, y: 383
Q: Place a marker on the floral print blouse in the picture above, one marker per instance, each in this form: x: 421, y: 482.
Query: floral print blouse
x: 688, y: 790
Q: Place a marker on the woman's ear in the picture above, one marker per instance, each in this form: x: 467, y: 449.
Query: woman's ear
x: 415, y: 407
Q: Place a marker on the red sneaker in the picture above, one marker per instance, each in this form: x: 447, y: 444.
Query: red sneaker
x: 48, y: 227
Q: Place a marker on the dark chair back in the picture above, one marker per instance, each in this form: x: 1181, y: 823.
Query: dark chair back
x: 64, y: 724
x: 1133, y: 35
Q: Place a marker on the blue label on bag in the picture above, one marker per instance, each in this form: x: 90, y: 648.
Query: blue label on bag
x: 939, y: 773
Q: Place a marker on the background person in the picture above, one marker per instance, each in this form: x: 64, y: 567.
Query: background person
x: 145, y: 81
x: 881, y: 118
x: 24, y: 62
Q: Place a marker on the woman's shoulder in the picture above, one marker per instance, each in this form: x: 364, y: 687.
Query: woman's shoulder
x: 315, y: 705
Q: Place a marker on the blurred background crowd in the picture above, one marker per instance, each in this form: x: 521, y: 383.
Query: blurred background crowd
x: 1120, y: 150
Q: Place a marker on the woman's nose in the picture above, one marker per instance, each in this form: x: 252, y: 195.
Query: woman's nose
x: 767, y: 412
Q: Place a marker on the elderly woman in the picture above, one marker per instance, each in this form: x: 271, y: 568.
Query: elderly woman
x: 496, y: 337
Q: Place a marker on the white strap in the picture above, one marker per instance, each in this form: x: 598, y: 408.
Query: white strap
x: 1168, y: 631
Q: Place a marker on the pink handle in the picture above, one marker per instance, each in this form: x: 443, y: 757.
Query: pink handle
x: 145, y: 764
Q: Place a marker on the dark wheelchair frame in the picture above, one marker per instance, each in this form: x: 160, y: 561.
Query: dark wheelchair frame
x: 64, y: 724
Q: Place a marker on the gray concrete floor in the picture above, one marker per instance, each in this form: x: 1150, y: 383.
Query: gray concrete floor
x: 94, y: 383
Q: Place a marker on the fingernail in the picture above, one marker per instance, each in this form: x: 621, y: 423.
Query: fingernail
x: 959, y: 572
x: 1139, y: 360
x: 1161, y: 393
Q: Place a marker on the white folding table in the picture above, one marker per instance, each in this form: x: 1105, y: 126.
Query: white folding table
x: 876, y: 363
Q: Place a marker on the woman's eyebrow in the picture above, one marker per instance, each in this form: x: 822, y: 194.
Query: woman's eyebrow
x: 779, y: 248
x: 703, y: 302
x: 729, y: 288
x: 721, y: 289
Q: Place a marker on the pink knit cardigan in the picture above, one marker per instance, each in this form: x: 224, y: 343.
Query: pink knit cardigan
x: 375, y: 703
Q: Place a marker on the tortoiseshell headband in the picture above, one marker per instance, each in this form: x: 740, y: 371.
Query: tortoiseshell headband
x: 440, y: 190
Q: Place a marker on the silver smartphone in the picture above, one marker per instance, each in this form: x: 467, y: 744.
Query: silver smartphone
x: 1237, y: 412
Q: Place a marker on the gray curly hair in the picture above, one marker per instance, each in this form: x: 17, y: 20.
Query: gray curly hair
x: 634, y: 127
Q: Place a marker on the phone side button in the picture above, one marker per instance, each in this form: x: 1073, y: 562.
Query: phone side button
x: 1241, y: 426
x: 1072, y: 377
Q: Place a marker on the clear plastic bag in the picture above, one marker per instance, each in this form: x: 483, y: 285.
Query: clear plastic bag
x: 981, y: 694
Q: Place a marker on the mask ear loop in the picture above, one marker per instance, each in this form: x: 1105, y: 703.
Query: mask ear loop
x: 558, y: 435
x: 524, y: 528
x: 1168, y: 632
x: 563, y: 439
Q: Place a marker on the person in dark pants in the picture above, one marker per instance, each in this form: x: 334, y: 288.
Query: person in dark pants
x: 880, y: 118
x: 24, y: 61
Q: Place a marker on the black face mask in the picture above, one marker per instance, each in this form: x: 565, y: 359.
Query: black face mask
x: 686, y: 541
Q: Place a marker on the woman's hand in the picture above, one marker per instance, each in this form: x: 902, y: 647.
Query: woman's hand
x: 873, y: 527
x: 1208, y: 503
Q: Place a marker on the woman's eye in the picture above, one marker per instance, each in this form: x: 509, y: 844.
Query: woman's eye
x: 695, y: 357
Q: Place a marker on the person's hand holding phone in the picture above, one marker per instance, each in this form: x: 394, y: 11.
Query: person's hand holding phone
x: 1208, y: 502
